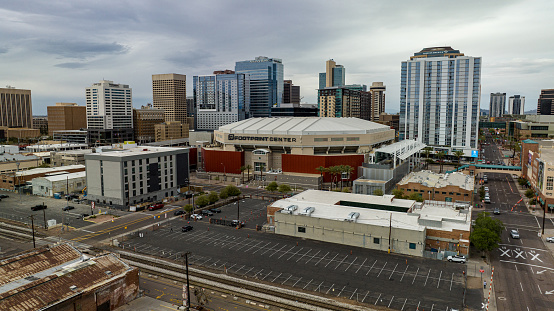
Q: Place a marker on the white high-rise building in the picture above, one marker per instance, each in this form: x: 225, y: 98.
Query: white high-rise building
x: 109, y: 106
x: 439, y: 100
x: 497, y: 106
x: 516, y: 104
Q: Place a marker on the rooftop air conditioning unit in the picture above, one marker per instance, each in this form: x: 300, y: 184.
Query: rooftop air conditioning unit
x: 307, y: 211
x: 289, y: 209
x: 352, y: 217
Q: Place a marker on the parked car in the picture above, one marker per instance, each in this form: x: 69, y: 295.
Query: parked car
x: 3, y: 196
x: 155, y: 206
x: 487, y: 199
x: 457, y: 258
x: 196, y: 217
x: 186, y: 228
x: 550, y: 239
x: 67, y: 208
x: 38, y: 207
x: 82, y: 216
x: 206, y: 212
x: 514, y: 234
x: 486, y: 189
x: 215, y: 210
x: 179, y: 212
x: 496, y: 211
x: 236, y: 223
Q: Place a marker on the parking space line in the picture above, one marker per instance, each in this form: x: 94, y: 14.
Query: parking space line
x: 427, y: 277
x: 432, y: 306
x: 286, y: 280
x: 247, y: 244
x: 439, y: 279
x: 330, y: 289
x: 404, y: 273
x: 231, y: 266
x: 341, y: 290
x: 285, y: 252
x: 360, y: 266
x: 277, y: 277
x: 303, y: 255
x: 277, y: 251
x: 293, y: 285
x: 257, y: 273
x: 371, y: 267
x: 415, y: 277
x: 309, y: 284
x: 405, y: 305
x: 240, y: 269
x: 320, y: 259
x: 267, y: 275
x: 365, y: 296
x: 353, y: 294
x: 269, y: 249
x: 331, y: 260
x: 419, y: 302
x: 382, y: 268
x: 393, y: 271
x: 295, y: 253
x: 253, y: 246
x: 390, y: 302
x: 248, y: 271
x: 341, y: 262
x: 209, y: 258
x: 261, y: 248
x: 451, y: 280
x: 350, y: 264
x: 377, y: 299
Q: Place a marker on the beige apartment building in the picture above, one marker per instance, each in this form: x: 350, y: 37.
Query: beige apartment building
x: 171, y: 130
x: 66, y: 116
x: 169, y: 92
x: 16, y: 109
x: 144, y: 120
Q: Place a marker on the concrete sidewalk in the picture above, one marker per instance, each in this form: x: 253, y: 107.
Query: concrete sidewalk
x: 475, y: 284
x: 146, y: 303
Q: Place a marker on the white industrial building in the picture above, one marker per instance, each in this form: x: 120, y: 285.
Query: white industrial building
x: 63, y: 183
x: 374, y: 222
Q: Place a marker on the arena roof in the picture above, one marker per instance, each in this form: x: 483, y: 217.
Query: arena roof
x: 303, y: 126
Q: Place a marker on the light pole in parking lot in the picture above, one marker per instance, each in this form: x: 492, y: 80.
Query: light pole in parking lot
x: 186, y: 292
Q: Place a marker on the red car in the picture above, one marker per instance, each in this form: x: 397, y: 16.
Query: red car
x: 155, y: 206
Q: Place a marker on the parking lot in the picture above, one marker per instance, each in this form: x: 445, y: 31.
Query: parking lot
x: 18, y: 207
x: 368, y: 276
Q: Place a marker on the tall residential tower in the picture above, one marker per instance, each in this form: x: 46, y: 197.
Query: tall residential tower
x: 439, y: 99
x: 497, y: 106
x: 516, y: 104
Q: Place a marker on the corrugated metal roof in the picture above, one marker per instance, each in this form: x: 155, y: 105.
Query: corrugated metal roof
x: 47, y: 290
x: 303, y: 126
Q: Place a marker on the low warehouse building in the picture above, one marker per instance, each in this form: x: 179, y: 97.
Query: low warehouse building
x: 374, y: 222
x: 449, y: 187
x: 60, y: 277
x: 63, y: 183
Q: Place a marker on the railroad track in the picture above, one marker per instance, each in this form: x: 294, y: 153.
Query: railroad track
x: 281, y: 297
x: 16, y: 232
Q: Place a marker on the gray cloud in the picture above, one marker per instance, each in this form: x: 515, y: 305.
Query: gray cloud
x: 191, y: 59
x: 3, y: 50
x: 71, y: 65
x: 79, y: 49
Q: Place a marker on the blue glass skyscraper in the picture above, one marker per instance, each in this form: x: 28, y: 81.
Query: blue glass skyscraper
x: 266, y: 83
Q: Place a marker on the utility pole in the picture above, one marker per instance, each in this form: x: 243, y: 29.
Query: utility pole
x: 390, y: 230
x: 33, y: 229
x: 238, y: 207
x: 543, y: 216
x: 44, y: 215
x: 186, y: 295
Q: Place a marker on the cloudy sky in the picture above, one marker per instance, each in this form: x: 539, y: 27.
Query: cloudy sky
x: 58, y: 48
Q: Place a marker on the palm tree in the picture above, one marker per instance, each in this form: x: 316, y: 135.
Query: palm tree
x: 427, y: 151
x: 262, y: 167
x: 248, y: 167
x: 242, y: 169
x: 348, y: 170
x: 440, y: 155
x: 458, y: 154
x: 321, y: 170
x: 334, y: 170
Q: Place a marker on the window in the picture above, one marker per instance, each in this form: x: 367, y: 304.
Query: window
x: 376, y: 241
x: 550, y: 183
x: 337, y: 138
x: 412, y: 246
x: 302, y: 229
x: 321, y: 139
x: 352, y: 138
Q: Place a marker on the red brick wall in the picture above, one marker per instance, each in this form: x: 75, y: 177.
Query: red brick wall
x: 222, y: 161
x: 297, y: 163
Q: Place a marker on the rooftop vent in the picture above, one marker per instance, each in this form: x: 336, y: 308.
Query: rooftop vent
x: 307, y: 211
x: 289, y: 209
x: 73, y: 287
x: 352, y: 217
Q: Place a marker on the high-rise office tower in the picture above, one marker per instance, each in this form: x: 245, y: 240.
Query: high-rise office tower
x: 516, y: 104
x: 334, y: 75
x: 339, y: 102
x: 377, y: 90
x: 16, y: 109
x: 545, y: 105
x: 221, y: 99
x: 497, y: 106
x: 291, y: 93
x: 169, y: 92
x: 439, y: 99
x: 144, y: 120
x: 266, y: 83
x: 66, y: 116
x: 109, y: 106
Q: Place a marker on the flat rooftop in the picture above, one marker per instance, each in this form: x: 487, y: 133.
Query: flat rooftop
x: 434, y: 180
x: 49, y: 170
x: 136, y: 151
x: 68, y: 176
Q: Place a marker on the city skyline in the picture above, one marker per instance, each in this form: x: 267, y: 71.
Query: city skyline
x: 58, y: 49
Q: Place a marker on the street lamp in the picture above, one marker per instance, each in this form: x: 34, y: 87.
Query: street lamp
x: 186, y: 295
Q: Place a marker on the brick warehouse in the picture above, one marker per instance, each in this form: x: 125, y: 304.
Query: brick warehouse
x: 294, y: 145
x: 453, y: 187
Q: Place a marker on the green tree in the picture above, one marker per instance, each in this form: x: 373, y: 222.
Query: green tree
x: 248, y: 168
x: 213, y: 197
x: 427, y: 152
x: 529, y: 193
x: 242, y: 169
x: 398, y: 193
x: 272, y: 186
x: 321, y: 170
x: 482, y: 192
x: 202, y: 200
x: 416, y: 197
x: 223, y: 194
x: 458, y: 154
x: 262, y: 168
x: 232, y: 191
x: 441, y: 156
x: 486, y: 232
x: 348, y: 170
x: 188, y: 208
x: 334, y: 171
x: 378, y: 192
x: 284, y: 188
x: 522, y: 181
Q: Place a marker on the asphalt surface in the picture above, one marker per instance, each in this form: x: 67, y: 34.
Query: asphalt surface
x: 524, y: 268
x: 372, y: 277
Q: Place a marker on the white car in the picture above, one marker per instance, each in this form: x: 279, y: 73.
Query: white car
x: 514, y: 234
x: 550, y: 239
x: 196, y: 217
x: 457, y: 258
